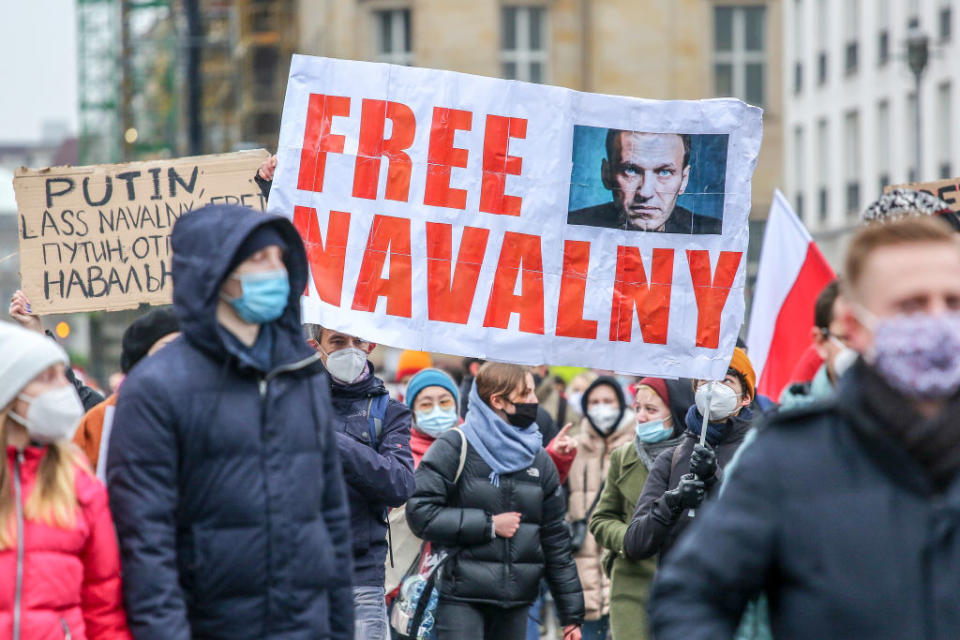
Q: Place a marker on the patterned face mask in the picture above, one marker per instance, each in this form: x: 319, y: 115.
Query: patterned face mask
x: 917, y: 354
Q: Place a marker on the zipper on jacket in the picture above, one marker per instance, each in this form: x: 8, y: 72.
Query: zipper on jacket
x: 264, y: 382
x: 18, y: 497
x: 263, y: 385
x: 293, y: 366
x: 66, y: 629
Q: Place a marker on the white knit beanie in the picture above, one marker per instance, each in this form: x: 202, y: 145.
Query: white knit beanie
x: 24, y: 354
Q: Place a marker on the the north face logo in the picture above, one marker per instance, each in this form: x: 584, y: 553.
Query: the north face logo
x: 533, y: 471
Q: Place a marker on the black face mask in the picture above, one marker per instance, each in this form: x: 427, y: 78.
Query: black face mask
x: 524, y: 415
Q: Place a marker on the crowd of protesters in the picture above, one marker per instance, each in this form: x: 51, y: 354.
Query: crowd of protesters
x: 252, y: 477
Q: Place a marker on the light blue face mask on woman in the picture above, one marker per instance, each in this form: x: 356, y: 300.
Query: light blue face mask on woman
x: 653, y: 431
x: 264, y: 296
x: 437, y: 421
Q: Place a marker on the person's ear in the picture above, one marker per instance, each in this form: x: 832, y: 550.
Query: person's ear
x: 370, y: 347
x: 313, y: 344
x: 606, y: 174
x: 497, y: 402
x: 859, y: 338
x: 685, y: 180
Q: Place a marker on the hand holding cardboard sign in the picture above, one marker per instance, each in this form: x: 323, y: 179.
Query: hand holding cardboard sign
x: 267, y: 168
x: 20, y: 311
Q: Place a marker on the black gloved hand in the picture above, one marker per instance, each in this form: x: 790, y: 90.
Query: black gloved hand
x: 703, y: 462
x: 689, y: 494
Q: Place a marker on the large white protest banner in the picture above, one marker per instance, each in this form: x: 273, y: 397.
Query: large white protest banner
x: 519, y: 222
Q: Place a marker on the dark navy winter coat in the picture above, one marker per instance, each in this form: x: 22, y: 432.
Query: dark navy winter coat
x: 378, y: 475
x: 831, y: 517
x: 225, y: 481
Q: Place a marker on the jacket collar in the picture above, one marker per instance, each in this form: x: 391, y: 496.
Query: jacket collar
x: 366, y: 387
x: 204, y: 243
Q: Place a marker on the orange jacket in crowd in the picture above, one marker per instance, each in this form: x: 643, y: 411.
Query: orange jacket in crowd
x: 90, y: 431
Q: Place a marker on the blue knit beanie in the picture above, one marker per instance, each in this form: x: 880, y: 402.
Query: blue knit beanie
x: 429, y: 378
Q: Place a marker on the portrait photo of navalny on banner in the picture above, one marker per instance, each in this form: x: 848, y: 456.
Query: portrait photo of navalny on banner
x: 643, y: 181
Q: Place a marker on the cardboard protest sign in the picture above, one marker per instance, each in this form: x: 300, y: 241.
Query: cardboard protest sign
x: 947, y: 190
x: 518, y: 222
x: 96, y: 238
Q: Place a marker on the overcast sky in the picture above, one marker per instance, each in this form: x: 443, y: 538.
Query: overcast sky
x: 38, y: 46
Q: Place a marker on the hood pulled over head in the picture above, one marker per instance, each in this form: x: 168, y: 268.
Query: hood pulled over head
x: 206, y: 244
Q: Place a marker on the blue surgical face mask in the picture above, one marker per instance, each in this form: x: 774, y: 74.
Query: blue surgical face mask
x: 653, y: 431
x: 435, y: 422
x: 265, y: 295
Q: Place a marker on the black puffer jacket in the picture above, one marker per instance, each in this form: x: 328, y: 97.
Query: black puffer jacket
x: 654, y: 529
x: 493, y: 570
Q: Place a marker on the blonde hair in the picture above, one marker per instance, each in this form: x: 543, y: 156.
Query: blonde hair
x: 53, y: 500
x: 912, y: 230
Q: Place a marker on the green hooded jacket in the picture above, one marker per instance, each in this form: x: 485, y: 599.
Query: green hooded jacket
x: 630, y: 586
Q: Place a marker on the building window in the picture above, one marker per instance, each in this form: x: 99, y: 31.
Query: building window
x: 798, y: 49
x: 851, y: 160
x: 799, y: 167
x: 850, y: 58
x: 883, y: 182
x: 882, y: 141
x: 822, y: 204
x: 265, y: 61
x: 738, y: 52
x: 945, y: 18
x: 851, y: 29
x: 392, y: 33
x: 911, y: 137
x: 883, y: 48
x: 823, y: 168
x: 823, y: 40
x: 883, y: 34
x: 524, y: 41
x: 944, y: 129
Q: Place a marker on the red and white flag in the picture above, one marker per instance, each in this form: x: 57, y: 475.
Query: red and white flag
x: 791, y: 274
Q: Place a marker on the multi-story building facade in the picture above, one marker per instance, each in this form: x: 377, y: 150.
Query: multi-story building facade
x: 851, y: 105
x: 660, y: 49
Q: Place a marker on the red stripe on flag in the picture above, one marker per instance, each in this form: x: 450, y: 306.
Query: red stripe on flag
x: 791, y: 335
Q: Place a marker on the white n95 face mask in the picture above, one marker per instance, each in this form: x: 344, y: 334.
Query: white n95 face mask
x: 604, y: 417
x: 723, y: 400
x: 52, y: 416
x: 346, y: 365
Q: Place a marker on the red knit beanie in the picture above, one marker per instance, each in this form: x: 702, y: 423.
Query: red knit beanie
x: 658, y: 385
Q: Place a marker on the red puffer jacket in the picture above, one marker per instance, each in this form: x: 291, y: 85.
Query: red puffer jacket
x: 70, y: 580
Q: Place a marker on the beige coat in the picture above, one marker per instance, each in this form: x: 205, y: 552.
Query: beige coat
x: 586, y: 476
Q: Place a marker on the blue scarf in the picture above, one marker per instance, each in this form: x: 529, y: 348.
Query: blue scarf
x: 717, y: 432
x: 503, y: 446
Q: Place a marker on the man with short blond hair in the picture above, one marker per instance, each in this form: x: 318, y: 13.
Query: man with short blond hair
x: 846, y: 514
